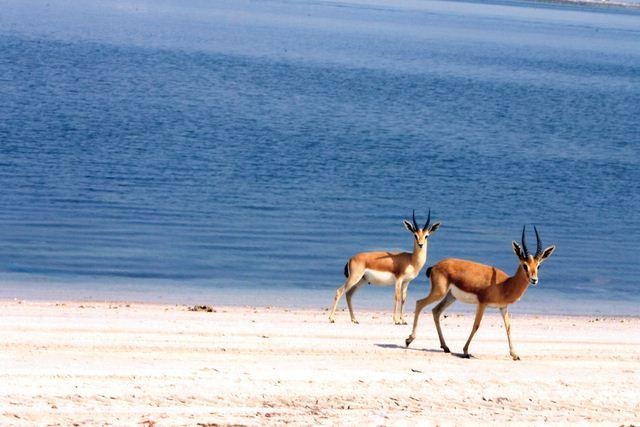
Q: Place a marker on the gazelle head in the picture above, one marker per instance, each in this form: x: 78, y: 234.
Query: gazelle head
x: 421, y: 234
x: 531, y: 263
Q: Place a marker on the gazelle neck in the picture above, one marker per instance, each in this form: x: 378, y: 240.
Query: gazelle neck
x: 516, y: 285
x: 419, y: 255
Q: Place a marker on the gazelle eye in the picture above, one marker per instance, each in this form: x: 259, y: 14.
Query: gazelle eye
x: 526, y: 267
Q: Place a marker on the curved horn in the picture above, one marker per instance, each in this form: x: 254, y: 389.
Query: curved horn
x: 538, y: 243
x: 524, y: 243
x: 426, y: 224
x: 415, y: 224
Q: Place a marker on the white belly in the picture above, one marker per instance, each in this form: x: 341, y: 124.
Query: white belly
x: 463, y: 296
x: 380, y: 278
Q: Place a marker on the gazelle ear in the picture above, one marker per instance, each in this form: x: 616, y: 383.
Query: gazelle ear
x: 408, y: 225
x: 517, y: 250
x: 433, y: 228
x: 546, y: 254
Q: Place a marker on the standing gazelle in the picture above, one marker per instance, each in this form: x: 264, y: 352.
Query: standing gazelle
x: 387, y: 268
x: 482, y: 285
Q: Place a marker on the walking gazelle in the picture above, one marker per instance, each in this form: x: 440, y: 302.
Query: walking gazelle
x: 387, y: 268
x: 483, y: 285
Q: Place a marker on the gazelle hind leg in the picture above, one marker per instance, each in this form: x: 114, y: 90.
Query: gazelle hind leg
x: 439, y: 288
x: 437, y: 311
x: 352, y: 280
x: 507, y: 325
x: 476, y: 325
x: 349, y: 294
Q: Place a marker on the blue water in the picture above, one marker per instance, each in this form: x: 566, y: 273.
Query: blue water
x: 241, y: 152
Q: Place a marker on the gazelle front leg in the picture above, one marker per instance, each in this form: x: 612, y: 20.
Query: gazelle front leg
x: 476, y: 325
x: 405, y: 287
x: 396, y: 307
x: 507, y: 325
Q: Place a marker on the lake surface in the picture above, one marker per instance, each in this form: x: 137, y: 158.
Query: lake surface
x: 240, y: 152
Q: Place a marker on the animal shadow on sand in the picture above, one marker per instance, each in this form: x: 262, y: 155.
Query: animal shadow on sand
x: 428, y: 350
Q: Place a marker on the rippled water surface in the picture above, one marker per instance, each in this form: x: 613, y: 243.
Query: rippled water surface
x: 240, y: 152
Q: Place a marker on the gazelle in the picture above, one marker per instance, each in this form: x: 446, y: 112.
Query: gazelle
x: 483, y: 285
x: 387, y: 268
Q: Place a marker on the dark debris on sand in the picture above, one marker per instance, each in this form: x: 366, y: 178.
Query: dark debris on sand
x: 206, y: 308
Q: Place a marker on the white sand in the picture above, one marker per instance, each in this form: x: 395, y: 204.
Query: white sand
x: 96, y: 363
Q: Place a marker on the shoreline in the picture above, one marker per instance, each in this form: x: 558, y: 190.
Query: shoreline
x: 340, y: 311
x: 537, y: 300
x: 97, y: 363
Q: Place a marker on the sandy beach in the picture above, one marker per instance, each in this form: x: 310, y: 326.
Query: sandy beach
x: 64, y: 363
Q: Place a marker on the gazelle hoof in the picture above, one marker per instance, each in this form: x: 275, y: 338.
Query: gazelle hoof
x: 445, y: 349
x: 331, y: 320
x: 355, y: 321
x: 408, y: 341
x: 466, y: 356
x: 515, y: 357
